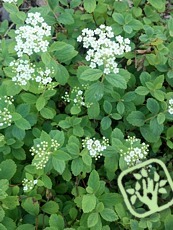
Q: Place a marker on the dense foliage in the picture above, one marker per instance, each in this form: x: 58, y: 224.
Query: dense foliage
x: 79, y: 79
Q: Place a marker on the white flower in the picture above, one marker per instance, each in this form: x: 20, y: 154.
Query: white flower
x: 24, y: 71
x: 170, y: 106
x: 28, y: 185
x: 31, y: 38
x: 136, y: 151
x: 10, y: 1
x: 95, y: 147
x: 42, y: 153
x: 102, y: 49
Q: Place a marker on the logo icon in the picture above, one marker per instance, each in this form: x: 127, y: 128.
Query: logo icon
x: 147, y: 188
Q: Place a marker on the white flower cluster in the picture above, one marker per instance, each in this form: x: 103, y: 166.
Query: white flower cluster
x: 170, y: 107
x: 25, y: 71
x: 7, y: 99
x: 43, y: 77
x: 32, y: 37
x: 77, y: 97
x: 103, y: 47
x: 28, y: 185
x: 66, y: 97
x: 42, y: 153
x: 95, y: 147
x: 10, y: 1
x: 136, y: 151
x: 5, y: 114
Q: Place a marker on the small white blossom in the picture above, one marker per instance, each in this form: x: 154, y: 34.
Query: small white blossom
x: 24, y: 71
x: 136, y: 151
x: 10, y: 1
x: 77, y: 97
x: 42, y: 152
x: 28, y: 185
x: 31, y: 38
x: 5, y: 113
x: 170, y: 106
x: 95, y: 147
x: 102, y: 49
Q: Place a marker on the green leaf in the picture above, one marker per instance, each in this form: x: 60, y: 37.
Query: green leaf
x: 66, y: 18
x: 161, y: 118
x: 116, y: 80
x: 92, y: 219
x: 58, y: 165
x: 10, y: 8
x: 136, y: 118
x: 22, y: 123
x: 142, y: 90
x: 9, y: 223
x: 119, y: 18
x: 153, y: 105
x: 156, y: 128
x: 28, y: 98
x: 40, y: 103
x: 128, y: 29
x: 168, y: 222
x: 134, y: 224
x: 53, y: 4
x: 46, y: 58
x: 47, y: 181
x: 88, y: 203
x: 91, y: 74
x: 25, y: 226
x: 50, y: 207
x: 159, y: 4
x: 2, y: 214
x: 105, y: 123
x: 109, y: 215
x: 89, y: 5
x: 94, y: 180
x: 63, y: 51
x: 31, y: 206
x: 77, y: 166
x: 18, y: 18
x: 170, y: 26
x: 23, y: 109
x: 56, y: 221
x: 4, y: 185
x: 93, y: 110
x: 48, y: 113
x: 62, y: 74
x: 61, y: 155
x: 78, y: 131
x: 107, y: 107
x: 87, y: 159
x: 144, y: 172
x: 120, y: 107
x: 11, y: 202
x: 7, y: 169
x: 94, y: 92
x: 148, y: 134
x: 110, y: 199
x: 2, y: 227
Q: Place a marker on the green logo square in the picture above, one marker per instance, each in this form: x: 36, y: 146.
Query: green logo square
x: 147, y: 188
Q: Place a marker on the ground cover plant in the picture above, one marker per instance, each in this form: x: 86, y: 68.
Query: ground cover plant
x: 85, y: 93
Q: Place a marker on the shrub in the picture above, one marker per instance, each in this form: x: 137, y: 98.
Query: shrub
x: 83, y: 84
